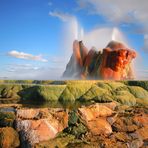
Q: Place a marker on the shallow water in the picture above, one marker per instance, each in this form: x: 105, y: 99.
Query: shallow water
x: 50, y: 104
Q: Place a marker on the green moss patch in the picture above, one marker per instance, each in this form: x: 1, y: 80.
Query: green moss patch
x: 93, y: 92
x: 6, y: 119
x: 125, y: 97
x: 43, y: 93
x: 73, y: 92
x: 138, y: 92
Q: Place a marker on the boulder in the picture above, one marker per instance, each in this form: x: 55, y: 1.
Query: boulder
x: 100, y: 126
x: 142, y: 132
x: 141, y: 120
x: 39, y: 125
x: 32, y: 113
x: 94, y: 111
x: 94, y: 117
x: 9, y: 138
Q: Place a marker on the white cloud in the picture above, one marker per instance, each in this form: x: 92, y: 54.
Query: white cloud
x: 118, y: 11
x: 62, y: 16
x: 145, y: 42
x: 26, y: 56
x: 98, y: 37
x: 22, y: 68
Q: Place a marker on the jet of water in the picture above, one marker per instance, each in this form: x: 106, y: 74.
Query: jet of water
x: 117, y: 35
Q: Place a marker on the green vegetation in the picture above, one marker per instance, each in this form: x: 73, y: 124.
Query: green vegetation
x: 124, y: 92
x: 138, y: 92
x: 93, y: 92
x: 74, y: 91
x: 10, y: 91
x: 125, y: 97
x: 114, y: 85
x: 143, y: 84
x: 61, y: 141
x: 43, y: 93
x: 6, y: 119
x: 51, y: 92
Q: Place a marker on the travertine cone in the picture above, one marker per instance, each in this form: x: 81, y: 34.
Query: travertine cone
x: 75, y: 66
x: 113, y: 63
x: 116, y: 62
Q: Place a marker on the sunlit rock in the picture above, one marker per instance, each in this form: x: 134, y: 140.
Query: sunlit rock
x: 38, y: 125
x: 9, y: 138
x: 113, y: 62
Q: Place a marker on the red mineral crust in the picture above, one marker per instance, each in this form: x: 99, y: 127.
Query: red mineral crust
x: 114, y: 62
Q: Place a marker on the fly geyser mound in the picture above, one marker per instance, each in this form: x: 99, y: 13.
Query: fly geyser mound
x: 113, y: 62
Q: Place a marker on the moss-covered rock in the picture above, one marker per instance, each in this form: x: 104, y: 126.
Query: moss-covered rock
x: 60, y: 141
x: 73, y: 92
x: 104, y: 86
x: 6, y: 119
x: 75, y: 125
x: 43, y: 93
x: 124, y: 97
x: 138, y: 92
x: 9, y: 138
x: 142, y: 101
x: 143, y: 84
x: 77, y: 130
x: 115, y: 85
x: 51, y: 92
x: 10, y: 91
x: 104, y: 98
x: 93, y: 92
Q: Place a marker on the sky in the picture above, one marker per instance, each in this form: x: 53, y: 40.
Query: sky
x: 36, y: 36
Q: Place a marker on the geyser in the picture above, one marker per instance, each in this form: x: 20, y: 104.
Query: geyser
x: 113, y: 62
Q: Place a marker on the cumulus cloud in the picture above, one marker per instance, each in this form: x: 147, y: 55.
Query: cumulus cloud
x: 26, y: 56
x: 119, y: 11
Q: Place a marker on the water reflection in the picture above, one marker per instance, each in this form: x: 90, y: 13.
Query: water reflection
x: 50, y: 104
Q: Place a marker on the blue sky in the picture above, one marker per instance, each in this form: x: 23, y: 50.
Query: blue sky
x: 36, y: 35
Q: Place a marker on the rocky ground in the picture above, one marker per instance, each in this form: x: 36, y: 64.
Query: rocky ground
x: 103, y: 125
